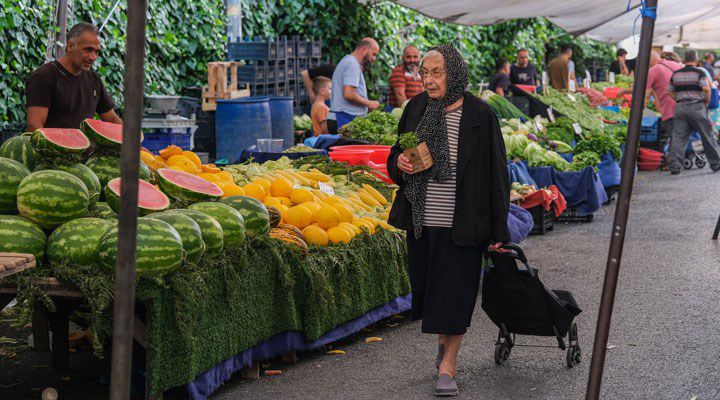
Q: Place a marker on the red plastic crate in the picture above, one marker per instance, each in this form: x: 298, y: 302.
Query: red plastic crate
x: 357, y: 157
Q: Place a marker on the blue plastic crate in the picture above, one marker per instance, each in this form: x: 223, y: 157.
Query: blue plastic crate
x: 299, y: 47
x: 314, y: 48
x: 611, y: 108
x: 649, y: 130
x: 259, y: 49
x: 158, y: 139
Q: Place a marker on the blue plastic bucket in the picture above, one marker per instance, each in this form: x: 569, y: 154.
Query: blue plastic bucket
x: 239, y: 123
x: 281, y: 115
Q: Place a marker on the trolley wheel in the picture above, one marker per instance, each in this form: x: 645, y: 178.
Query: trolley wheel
x: 502, y: 353
x: 574, y: 355
x: 700, y: 162
x: 688, y: 163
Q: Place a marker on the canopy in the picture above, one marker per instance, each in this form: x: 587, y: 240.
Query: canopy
x: 607, y: 20
x: 699, y: 35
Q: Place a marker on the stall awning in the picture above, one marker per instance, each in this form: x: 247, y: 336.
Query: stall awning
x: 703, y: 34
x: 607, y: 20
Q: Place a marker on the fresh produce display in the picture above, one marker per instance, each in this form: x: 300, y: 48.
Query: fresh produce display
x: 600, y: 144
x: 150, y: 198
x: 232, y: 222
x: 102, y: 210
x: 561, y: 130
x: 595, y: 97
x: 212, y: 231
x: 300, y: 148
x: 255, y: 214
x: 576, y: 107
x: 50, y: 198
x: 377, y: 127
x: 502, y: 106
x: 11, y: 174
x: 103, y: 134
x: 19, y: 149
x: 107, y: 168
x: 19, y: 235
x: 537, y: 156
x: 520, y: 190
x: 187, y: 187
x: 159, y: 247
x: 87, y: 176
x: 51, y: 142
x: 77, y: 241
x: 189, y: 232
x: 303, y: 123
x: 583, y: 160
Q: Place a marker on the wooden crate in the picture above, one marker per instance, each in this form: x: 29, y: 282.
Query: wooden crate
x: 218, y: 87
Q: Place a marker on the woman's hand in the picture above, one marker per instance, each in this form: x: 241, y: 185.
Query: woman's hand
x: 404, y: 164
x: 497, y: 247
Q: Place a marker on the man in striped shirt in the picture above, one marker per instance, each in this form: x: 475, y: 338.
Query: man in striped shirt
x: 405, y: 80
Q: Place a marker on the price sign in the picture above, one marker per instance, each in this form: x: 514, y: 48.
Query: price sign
x: 611, y: 77
x: 577, y: 128
x: 571, y: 85
x: 325, y: 188
x: 551, y: 116
x: 586, y: 83
x: 539, y: 126
x: 544, y: 78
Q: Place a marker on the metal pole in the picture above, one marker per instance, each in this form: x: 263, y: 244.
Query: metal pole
x: 62, y: 26
x: 123, y: 312
x: 623, y: 206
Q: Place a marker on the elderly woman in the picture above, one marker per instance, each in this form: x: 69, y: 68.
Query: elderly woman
x: 453, y: 211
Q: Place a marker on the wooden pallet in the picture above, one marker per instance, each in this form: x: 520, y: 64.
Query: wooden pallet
x: 12, y: 263
x: 218, y: 87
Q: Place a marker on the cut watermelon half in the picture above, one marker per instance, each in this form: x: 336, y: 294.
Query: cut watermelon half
x: 59, y: 141
x: 150, y: 198
x: 184, y: 186
x: 104, y: 134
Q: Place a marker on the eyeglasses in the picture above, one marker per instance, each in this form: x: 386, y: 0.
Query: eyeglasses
x: 435, y: 73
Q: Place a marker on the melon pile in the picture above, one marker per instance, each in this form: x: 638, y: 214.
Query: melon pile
x: 60, y: 191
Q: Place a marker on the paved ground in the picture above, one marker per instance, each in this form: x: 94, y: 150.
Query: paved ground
x: 664, y: 328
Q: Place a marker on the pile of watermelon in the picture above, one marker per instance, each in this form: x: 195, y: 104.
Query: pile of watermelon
x: 61, y: 191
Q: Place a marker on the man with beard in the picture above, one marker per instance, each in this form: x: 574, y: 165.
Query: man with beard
x: 349, y: 94
x: 63, y: 92
x: 523, y: 72
x: 405, y: 81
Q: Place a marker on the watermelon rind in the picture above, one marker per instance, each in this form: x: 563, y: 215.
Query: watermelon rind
x: 19, y: 149
x: 77, y: 241
x: 107, y: 168
x: 11, y: 174
x: 189, y: 231
x: 230, y: 219
x: 49, y: 148
x: 112, y: 196
x: 168, y: 182
x: 159, y: 248
x: 19, y: 235
x: 212, y: 231
x: 86, y: 175
x: 50, y: 198
x: 95, y: 131
x: 256, y: 215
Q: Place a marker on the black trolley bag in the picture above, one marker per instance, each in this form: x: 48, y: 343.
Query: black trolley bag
x: 519, y: 304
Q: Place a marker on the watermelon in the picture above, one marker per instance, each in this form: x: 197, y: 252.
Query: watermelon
x: 19, y: 149
x: 212, y: 231
x: 102, y: 210
x: 257, y: 218
x: 159, y: 248
x: 150, y: 198
x: 189, y: 231
x: 11, y: 174
x: 103, y: 134
x: 87, y: 176
x: 230, y: 219
x: 77, y: 241
x: 188, y: 187
x: 107, y: 168
x: 50, y: 198
x: 19, y: 235
x: 57, y: 142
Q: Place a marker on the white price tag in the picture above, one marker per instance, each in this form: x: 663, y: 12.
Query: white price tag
x: 571, y: 97
x: 611, y: 77
x: 587, y: 77
x: 551, y: 116
x: 544, y: 78
x: 539, y: 126
x: 325, y: 188
x: 571, y: 85
x: 577, y: 128
x: 519, y: 126
x: 586, y: 83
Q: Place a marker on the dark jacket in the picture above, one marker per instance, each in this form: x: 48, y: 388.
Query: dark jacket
x: 482, y: 195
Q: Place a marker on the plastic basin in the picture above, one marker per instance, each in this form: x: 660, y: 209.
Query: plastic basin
x: 611, y: 92
x: 650, y: 153
x: 356, y: 157
x: 380, y: 156
x: 359, y: 147
x: 648, y: 165
x: 381, y: 169
x: 527, y: 88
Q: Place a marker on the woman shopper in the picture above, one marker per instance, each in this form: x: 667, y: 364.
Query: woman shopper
x: 453, y: 211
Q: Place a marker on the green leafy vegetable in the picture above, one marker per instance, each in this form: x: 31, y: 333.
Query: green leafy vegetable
x: 376, y: 127
x: 408, y: 140
x: 600, y: 144
x: 303, y: 123
x: 502, y: 106
x: 584, y: 160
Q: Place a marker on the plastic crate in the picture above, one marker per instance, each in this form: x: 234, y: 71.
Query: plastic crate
x: 314, y: 48
x: 189, y: 106
x: 258, y: 49
x: 158, y: 139
x: 300, y: 46
x: 649, y: 130
x: 610, y: 108
x: 571, y: 214
x: 543, y: 220
x: 10, y: 131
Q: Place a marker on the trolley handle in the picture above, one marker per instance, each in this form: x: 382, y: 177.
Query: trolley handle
x: 518, y: 254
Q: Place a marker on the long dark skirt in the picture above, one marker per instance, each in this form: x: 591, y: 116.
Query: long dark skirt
x: 445, y: 279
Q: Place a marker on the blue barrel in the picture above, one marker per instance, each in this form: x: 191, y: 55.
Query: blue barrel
x: 281, y: 114
x: 239, y: 123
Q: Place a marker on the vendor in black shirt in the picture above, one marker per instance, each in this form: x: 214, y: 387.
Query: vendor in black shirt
x: 500, y: 83
x: 619, y: 65
x: 308, y: 75
x: 523, y: 72
x: 64, y: 92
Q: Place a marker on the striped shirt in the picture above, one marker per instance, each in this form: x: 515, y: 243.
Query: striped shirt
x: 411, y: 84
x: 440, y: 196
x: 688, y: 84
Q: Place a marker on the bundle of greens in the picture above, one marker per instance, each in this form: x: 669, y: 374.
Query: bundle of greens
x: 536, y: 156
x: 618, y: 131
x: 561, y: 130
x: 584, y: 160
x: 408, y: 140
x: 576, y: 107
x: 600, y: 144
x: 377, y: 127
x: 502, y: 106
x: 303, y: 123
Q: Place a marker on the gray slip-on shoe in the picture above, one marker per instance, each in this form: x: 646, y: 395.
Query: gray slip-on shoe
x: 440, y: 355
x: 445, y: 386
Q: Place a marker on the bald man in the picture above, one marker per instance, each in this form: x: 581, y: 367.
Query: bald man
x: 349, y: 97
x: 405, y: 80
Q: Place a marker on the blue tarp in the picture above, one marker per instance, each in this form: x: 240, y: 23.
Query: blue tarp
x: 609, y: 171
x: 519, y: 173
x: 326, y: 141
x: 520, y: 223
x: 262, y: 156
x: 582, y: 190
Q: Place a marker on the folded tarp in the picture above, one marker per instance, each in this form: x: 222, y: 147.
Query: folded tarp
x: 583, y: 190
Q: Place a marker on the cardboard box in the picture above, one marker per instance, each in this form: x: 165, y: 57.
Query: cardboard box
x: 419, y: 157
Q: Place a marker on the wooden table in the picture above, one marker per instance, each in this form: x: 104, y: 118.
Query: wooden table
x: 12, y: 263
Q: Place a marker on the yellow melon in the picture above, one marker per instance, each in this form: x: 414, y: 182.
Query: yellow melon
x: 255, y: 191
x: 231, y: 189
x: 193, y: 157
x: 346, y: 213
x: 327, y: 217
x: 298, y: 216
x: 299, y: 196
x: 264, y: 183
x: 338, y: 235
x: 281, y: 187
x: 315, y: 235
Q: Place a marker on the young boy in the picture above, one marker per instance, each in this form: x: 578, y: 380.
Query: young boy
x: 322, y: 87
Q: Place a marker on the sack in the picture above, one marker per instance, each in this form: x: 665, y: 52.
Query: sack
x: 714, y: 99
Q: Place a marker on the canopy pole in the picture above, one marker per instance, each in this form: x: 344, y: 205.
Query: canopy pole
x: 62, y: 28
x: 123, y: 312
x: 622, y: 208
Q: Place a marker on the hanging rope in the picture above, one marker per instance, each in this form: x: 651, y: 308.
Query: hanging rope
x: 649, y: 12
x: 112, y: 11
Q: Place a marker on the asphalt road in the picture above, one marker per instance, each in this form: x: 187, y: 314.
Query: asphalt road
x: 664, y: 337
x: 664, y: 342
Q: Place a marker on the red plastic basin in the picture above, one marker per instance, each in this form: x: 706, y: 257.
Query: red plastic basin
x: 527, y: 88
x: 359, y: 147
x: 650, y: 153
x: 627, y: 97
x: 380, y: 156
x: 356, y: 157
x: 381, y: 169
x: 611, y: 92
x: 648, y: 165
